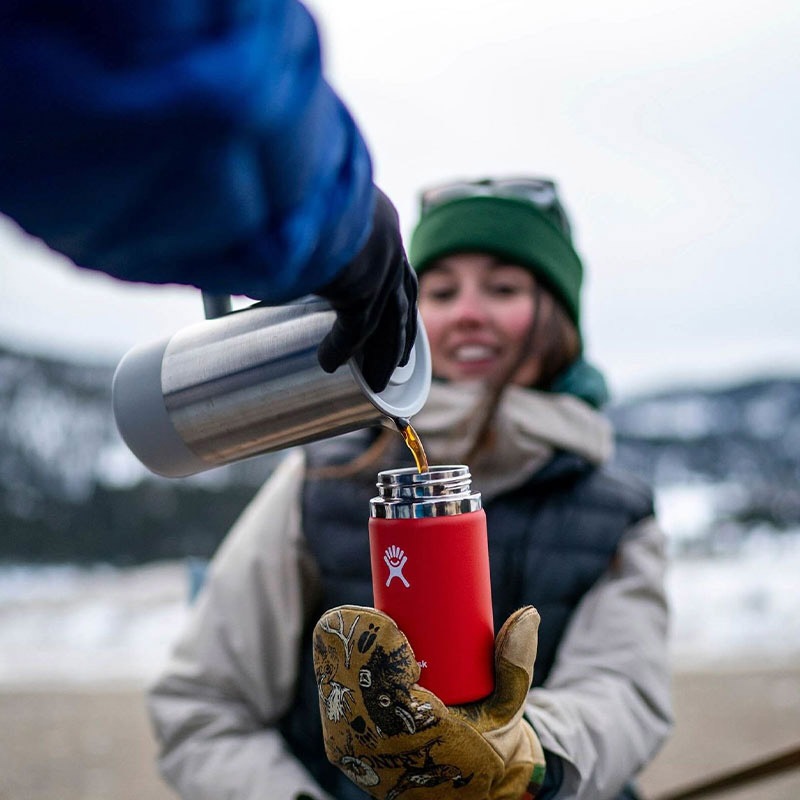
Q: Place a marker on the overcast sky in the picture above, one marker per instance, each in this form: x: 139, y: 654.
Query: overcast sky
x: 671, y: 127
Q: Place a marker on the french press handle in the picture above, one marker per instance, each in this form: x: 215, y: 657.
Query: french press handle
x: 216, y: 305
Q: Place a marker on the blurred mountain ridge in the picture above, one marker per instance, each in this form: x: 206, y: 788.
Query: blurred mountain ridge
x: 726, y: 459
x: 71, y: 491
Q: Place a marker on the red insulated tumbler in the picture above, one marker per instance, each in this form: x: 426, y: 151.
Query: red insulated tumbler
x: 430, y: 573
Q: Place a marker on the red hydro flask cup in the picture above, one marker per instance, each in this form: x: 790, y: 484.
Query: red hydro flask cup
x: 430, y: 574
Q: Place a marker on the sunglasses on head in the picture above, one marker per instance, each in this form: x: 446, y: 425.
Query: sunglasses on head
x: 539, y: 192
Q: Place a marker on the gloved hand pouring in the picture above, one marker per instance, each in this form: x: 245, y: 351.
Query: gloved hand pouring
x: 389, y: 735
x: 375, y: 298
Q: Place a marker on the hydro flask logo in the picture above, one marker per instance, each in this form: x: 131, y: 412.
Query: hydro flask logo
x: 395, y: 559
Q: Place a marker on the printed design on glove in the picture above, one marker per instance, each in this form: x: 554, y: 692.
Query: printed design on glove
x: 420, y: 771
x: 395, y: 559
x: 392, y: 711
x: 347, y: 639
x: 338, y: 698
x: 337, y: 701
x: 384, y: 682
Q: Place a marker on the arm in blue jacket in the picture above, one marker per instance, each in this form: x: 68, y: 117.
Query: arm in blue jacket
x: 181, y: 142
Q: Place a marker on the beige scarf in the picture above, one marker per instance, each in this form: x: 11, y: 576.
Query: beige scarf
x: 528, y: 426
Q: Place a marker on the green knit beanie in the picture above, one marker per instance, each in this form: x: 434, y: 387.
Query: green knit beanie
x: 511, y: 228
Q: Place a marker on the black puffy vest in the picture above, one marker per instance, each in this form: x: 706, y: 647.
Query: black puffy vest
x: 549, y: 542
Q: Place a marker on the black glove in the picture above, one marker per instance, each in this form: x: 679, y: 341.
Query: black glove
x: 375, y: 299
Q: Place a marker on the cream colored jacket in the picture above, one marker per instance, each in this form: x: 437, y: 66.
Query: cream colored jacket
x: 605, y: 708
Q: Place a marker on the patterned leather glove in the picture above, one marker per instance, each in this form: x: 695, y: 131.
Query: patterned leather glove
x: 389, y: 735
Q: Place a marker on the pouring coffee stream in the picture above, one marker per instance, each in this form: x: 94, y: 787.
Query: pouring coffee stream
x: 413, y: 442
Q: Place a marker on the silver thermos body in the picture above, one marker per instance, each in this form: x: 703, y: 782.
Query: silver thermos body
x: 247, y: 383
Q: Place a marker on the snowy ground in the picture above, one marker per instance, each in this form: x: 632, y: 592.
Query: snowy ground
x: 80, y: 626
x: 741, y: 610
x: 64, y: 624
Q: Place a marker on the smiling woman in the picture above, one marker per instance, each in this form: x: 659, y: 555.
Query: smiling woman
x: 482, y: 317
x: 479, y: 312
x: 500, y: 282
x: 500, y: 286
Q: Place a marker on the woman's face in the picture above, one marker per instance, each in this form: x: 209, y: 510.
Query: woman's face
x: 478, y: 312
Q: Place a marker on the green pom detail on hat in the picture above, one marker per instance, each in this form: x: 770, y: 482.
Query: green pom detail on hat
x: 509, y: 228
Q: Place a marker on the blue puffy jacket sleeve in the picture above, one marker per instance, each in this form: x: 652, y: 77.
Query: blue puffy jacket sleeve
x: 181, y: 141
